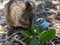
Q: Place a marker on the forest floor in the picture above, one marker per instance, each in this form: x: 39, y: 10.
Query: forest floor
x: 3, y: 26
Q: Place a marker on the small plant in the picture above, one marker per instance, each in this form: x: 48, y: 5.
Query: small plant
x: 38, y: 35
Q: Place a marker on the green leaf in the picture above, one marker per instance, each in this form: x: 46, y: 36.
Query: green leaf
x: 25, y: 33
x: 34, y: 42
x: 34, y: 30
x: 37, y: 29
x: 47, y: 35
x: 31, y: 30
x: 28, y: 40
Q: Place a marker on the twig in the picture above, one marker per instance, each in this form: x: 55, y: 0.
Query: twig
x: 9, y: 37
x: 19, y: 41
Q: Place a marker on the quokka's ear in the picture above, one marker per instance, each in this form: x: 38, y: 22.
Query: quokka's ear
x: 30, y: 5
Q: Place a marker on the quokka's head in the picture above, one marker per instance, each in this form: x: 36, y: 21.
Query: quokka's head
x: 26, y: 6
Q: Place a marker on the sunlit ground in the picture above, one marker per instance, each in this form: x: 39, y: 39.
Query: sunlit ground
x: 1, y: 6
x: 0, y: 43
x: 56, y: 2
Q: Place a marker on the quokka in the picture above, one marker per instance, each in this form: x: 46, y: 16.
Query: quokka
x: 19, y: 13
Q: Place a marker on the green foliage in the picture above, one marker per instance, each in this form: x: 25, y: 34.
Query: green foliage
x: 26, y: 33
x: 34, y: 42
x: 36, y: 34
x: 47, y: 35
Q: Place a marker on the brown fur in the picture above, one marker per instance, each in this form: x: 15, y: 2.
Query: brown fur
x: 19, y: 13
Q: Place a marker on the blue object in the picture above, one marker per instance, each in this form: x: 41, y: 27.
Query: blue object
x: 45, y: 25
